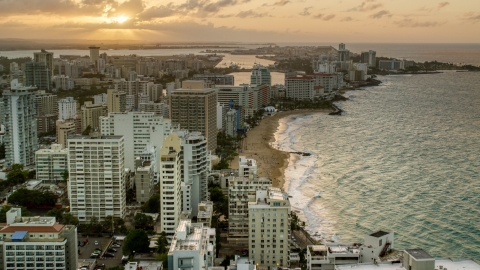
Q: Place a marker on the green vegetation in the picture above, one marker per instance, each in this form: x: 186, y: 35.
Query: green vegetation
x: 220, y: 202
x: 65, y: 176
x: 143, y: 221
x: 2, y: 151
x: 296, y: 64
x: 5, y: 62
x: 136, y: 241
x: 226, y: 149
x: 117, y: 223
x: 152, y: 205
x: 63, y: 217
x: 288, y: 104
x: 32, y: 198
x: 162, y: 243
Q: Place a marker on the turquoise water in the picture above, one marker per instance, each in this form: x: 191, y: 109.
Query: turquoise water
x: 404, y: 157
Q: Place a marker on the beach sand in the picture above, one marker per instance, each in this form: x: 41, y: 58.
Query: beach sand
x: 270, y: 161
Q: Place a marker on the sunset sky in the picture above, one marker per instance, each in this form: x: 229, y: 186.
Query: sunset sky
x: 412, y: 21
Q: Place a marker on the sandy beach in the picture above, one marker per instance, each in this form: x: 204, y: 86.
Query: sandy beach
x: 270, y: 161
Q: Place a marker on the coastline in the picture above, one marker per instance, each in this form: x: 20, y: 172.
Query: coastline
x: 271, y: 161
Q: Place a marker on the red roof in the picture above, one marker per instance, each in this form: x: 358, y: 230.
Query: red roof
x: 55, y: 228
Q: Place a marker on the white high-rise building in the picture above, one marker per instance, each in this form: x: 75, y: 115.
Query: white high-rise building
x: 231, y: 123
x: 50, y: 164
x: 196, y: 164
x: 20, y: 124
x: 170, y: 184
x: 37, y: 243
x: 67, y: 108
x: 100, y: 98
x: 269, y: 228
x: 139, y: 130
x: 96, y: 186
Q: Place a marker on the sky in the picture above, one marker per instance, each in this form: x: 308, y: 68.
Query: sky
x: 388, y: 21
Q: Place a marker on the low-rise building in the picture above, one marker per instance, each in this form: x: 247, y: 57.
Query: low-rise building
x: 37, y: 243
x: 325, y: 257
x: 205, y: 213
x: 241, y: 263
x: 376, y: 245
x: 193, y: 247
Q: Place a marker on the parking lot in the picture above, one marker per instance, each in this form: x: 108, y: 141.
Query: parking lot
x: 103, y: 242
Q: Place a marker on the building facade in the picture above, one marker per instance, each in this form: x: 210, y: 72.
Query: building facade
x: 260, y: 75
x: 20, y: 120
x: 67, y: 108
x: 96, y: 186
x: 50, y: 164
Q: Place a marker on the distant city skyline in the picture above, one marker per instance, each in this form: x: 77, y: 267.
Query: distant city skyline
x: 243, y: 20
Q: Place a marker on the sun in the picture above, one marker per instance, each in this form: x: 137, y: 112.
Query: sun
x: 120, y: 19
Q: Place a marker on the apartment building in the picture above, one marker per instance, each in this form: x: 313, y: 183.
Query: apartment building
x: 37, y: 243
x: 139, y: 129
x: 205, y: 213
x: 50, y: 164
x: 300, y: 87
x: 65, y: 128
x: 67, y: 108
x: 260, y: 75
x: 20, y: 114
x: 241, y: 191
x: 116, y: 100
x: 91, y: 114
x: 196, y: 164
x: 212, y: 80
x: 247, y: 166
x: 195, y: 110
x: 170, y: 184
x: 144, y: 181
x: 269, y: 228
x: 193, y: 247
x: 96, y: 187
x: 158, y: 108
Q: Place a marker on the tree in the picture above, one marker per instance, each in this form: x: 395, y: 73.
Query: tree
x: 164, y: 258
x: 5, y: 209
x: 2, y: 151
x: 69, y: 219
x: 130, y: 195
x: 57, y: 213
x: 65, y: 175
x: 152, y: 205
x: 136, y: 240
x: 32, y: 198
x: 220, y: 201
x: 17, y: 175
x: 162, y: 243
x: 143, y: 221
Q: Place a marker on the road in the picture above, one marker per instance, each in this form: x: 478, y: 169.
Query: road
x: 88, y: 249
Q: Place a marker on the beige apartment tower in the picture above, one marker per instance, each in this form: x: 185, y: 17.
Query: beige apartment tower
x: 65, y: 128
x: 94, y: 53
x: 196, y: 110
x: 116, y: 101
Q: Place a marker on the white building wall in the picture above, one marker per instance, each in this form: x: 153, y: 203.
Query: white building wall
x: 67, y: 108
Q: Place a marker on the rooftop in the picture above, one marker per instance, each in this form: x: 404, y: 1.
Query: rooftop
x: 379, y: 234
x: 419, y: 254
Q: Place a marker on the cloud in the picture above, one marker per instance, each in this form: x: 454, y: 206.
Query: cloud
x: 305, y: 12
x: 365, y: 6
x: 346, y: 19
x: 380, y: 14
x: 443, y: 4
x: 13, y: 23
x: 281, y: 3
x: 413, y: 23
x: 324, y: 17
x: 471, y: 17
x: 251, y: 14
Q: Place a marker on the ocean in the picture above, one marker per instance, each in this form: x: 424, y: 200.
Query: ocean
x: 404, y: 157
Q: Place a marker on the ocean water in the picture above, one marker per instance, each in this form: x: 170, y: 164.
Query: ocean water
x: 404, y: 157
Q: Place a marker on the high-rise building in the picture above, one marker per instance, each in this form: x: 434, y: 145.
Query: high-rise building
x: 139, y: 130
x: 116, y: 100
x: 96, y: 185
x: 37, y: 74
x: 94, y: 53
x: 158, y: 108
x: 211, y: 80
x: 37, y: 243
x: 46, y: 103
x: 91, y: 115
x: 241, y: 191
x: 44, y: 57
x: 170, y: 184
x: 65, y: 128
x: 63, y: 82
x: 343, y: 54
x: 51, y: 163
x: 231, y: 123
x: 20, y: 124
x: 260, y: 75
x: 196, y: 164
x: 67, y: 108
x: 193, y: 247
x: 196, y: 110
x: 100, y: 98
x: 269, y: 228
x: 369, y: 58
x: 300, y: 87
x: 144, y: 181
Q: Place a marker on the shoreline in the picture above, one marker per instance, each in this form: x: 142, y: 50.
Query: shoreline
x: 271, y: 162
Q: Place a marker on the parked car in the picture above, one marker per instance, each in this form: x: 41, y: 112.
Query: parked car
x: 99, y: 249
x: 97, y: 252
x: 82, y: 244
x: 96, y: 243
x: 112, y: 250
x: 94, y: 255
x: 109, y: 255
x: 116, y: 245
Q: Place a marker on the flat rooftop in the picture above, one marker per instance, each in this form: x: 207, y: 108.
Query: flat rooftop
x: 419, y: 254
x: 379, y: 234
